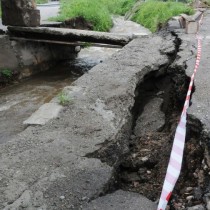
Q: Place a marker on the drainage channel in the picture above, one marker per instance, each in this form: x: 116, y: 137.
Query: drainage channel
x: 19, y: 101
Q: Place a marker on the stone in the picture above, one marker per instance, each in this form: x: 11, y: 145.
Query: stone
x: 197, y: 207
x: 197, y: 193
x: 121, y: 200
x: 20, y: 13
x: 62, y: 197
x: 45, y: 113
x: 147, y: 121
x: 191, y: 27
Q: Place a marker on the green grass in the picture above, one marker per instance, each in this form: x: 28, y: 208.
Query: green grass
x: 119, y: 7
x: 64, y: 99
x: 98, y: 12
x: 7, y: 73
x: 92, y: 10
x: 152, y: 14
x: 155, y: 14
x: 41, y: 1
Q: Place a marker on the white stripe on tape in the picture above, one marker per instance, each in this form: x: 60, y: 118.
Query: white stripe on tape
x: 175, y: 163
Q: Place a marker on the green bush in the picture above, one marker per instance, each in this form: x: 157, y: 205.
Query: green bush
x: 155, y: 14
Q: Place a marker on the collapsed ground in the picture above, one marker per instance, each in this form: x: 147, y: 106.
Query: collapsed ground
x: 159, y: 100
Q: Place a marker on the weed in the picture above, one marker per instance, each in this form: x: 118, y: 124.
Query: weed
x: 87, y: 44
x: 64, y: 99
x: 7, y: 73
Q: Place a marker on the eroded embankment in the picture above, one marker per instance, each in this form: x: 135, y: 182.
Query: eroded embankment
x: 159, y: 100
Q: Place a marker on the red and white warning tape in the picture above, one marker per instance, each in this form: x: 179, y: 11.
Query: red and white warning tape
x: 175, y: 162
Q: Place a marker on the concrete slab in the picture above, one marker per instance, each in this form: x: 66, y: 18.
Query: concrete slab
x: 121, y: 200
x: 51, y: 163
x: 44, y: 114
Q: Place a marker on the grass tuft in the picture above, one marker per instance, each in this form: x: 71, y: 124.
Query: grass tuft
x: 64, y: 99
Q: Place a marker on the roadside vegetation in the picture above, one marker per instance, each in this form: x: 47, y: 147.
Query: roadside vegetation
x: 151, y: 14
x: 155, y: 14
x: 6, y: 76
x: 41, y: 1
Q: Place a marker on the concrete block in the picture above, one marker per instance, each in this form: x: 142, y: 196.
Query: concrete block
x: 20, y: 13
x: 45, y: 113
x: 191, y: 27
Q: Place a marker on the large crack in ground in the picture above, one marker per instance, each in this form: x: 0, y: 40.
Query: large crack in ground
x: 158, y: 104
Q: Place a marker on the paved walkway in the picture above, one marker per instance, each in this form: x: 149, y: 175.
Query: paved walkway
x: 48, y: 10
x: 201, y: 97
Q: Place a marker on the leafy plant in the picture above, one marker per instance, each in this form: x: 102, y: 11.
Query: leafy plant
x: 64, y: 99
x: 6, y: 73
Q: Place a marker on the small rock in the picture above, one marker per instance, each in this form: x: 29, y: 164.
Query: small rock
x: 84, y: 198
x: 144, y: 159
x: 197, y: 193
x: 160, y: 93
x: 188, y: 189
x: 149, y: 172
x: 133, y: 137
x: 190, y: 197
x: 134, y: 155
x: 62, y: 197
x: 197, y: 207
x: 207, y: 200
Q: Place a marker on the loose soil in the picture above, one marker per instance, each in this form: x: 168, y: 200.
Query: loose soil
x: 77, y: 23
